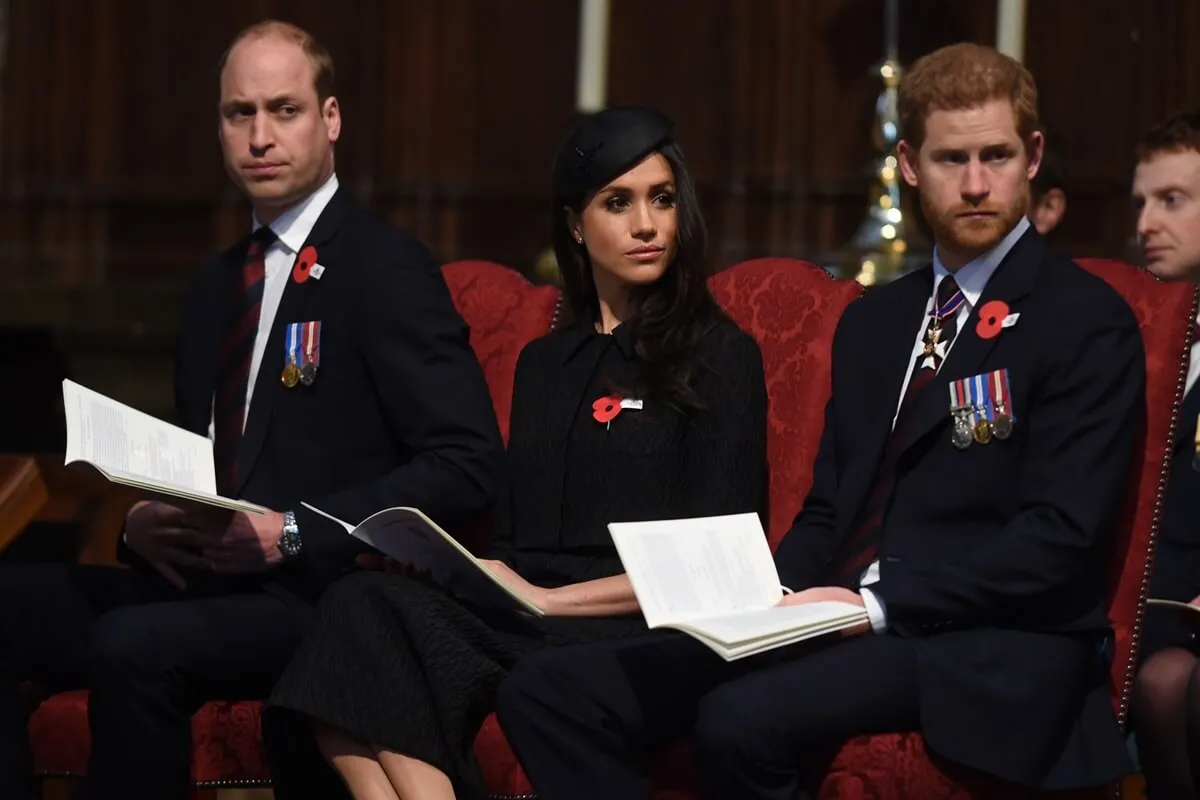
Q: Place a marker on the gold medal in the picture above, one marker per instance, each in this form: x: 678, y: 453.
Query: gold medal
x: 291, y: 375
x: 983, y: 431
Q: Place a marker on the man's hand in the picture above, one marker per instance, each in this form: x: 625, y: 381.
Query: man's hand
x: 248, y: 544
x: 822, y: 594
x: 539, y: 596
x: 164, y: 535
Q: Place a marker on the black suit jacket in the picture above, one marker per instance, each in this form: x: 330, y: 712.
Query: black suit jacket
x: 399, y: 413
x: 1176, y: 573
x: 994, y: 557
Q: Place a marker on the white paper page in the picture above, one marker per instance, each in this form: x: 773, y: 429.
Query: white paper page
x: 115, y: 437
x: 701, y: 567
x: 735, y: 629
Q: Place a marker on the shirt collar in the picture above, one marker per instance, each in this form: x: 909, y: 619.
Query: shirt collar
x: 585, y: 332
x: 974, y: 275
x: 294, y: 225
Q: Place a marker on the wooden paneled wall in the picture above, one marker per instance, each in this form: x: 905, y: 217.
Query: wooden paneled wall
x: 112, y: 190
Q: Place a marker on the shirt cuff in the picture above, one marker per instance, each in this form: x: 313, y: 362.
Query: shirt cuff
x: 875, y: 611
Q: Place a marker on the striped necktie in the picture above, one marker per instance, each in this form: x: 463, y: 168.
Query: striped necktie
x: 233, y: 360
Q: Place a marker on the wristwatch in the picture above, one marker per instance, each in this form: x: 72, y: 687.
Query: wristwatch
x: 290, y: 544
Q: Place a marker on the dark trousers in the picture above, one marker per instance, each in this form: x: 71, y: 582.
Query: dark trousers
x: 150, y: 655
x: 582, y: 719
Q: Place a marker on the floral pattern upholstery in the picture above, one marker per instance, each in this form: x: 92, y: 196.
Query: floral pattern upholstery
x: 791, y: 308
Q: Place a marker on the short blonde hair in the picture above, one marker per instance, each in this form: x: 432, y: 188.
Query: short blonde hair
x: 964, y: 76
x: 318, y: 56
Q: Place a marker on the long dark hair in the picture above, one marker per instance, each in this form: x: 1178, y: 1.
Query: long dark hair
x: 668, y: 317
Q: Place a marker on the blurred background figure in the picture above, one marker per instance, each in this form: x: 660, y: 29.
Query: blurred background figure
x: 1048, y: 193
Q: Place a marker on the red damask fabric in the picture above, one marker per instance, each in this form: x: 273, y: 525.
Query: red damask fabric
x: 226, y: 740
x: 505, y: 312
x: 1164, y: 312
x: 791, y: 308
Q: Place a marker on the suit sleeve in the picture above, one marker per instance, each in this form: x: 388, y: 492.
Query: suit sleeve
x: 801, y: 557
x: 194, y: 314
x: 435, y: 400
x: 1083, y: 423
x: 725, y: 452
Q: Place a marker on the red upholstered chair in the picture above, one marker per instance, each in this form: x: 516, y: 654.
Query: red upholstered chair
x: 505, y: 312
x: 897, y: 766
x: 791, y: 308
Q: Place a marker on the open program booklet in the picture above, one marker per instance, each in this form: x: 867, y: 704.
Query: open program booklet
x: 413, y: 539
x: 1187, y: 609
x: 134, y: 449
x: 714, y: 579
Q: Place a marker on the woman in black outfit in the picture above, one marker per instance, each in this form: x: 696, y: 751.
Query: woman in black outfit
x: 396, y: 676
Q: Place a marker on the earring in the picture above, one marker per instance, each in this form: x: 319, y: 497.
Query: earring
x: 578, y: 239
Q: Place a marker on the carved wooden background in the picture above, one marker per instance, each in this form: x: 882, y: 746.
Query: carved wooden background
x: 112, y: 191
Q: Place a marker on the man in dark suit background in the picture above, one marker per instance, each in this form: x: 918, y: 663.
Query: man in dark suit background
x: 325, y: 358
x: 977, y: 444
x: 1048, y: 189
x: 1164, y: 703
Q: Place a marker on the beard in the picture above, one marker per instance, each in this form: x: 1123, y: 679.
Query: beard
x: 973, y: 237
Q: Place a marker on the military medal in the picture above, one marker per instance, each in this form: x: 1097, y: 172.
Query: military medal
x: 1002, y: 420
x: 934, y: 351
x: 1002, y: 424
x: 961, y: 435
x: 291, y: 375
x: 302, y: 354
x: 982, y: 430
x: 310, y: 334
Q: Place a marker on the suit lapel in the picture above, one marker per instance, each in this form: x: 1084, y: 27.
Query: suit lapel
x: 268, y: 386
x: 1012, y: 281
x: 886, y: 359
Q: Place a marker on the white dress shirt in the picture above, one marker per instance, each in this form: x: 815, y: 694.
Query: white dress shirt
x: 291, y: 230
x: 972, y: 277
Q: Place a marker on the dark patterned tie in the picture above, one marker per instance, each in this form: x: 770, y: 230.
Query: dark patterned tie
x: 233, y: 360
x: 861, y: 547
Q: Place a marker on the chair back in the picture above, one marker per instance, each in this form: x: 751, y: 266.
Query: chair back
x: 505, y: 312
x: 791, y: 308
x: 1166, y: 313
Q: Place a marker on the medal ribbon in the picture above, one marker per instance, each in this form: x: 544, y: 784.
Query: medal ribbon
x: 293, y: 343
x: 951, y: 306
x: 983, y: 397
x: 1004, y: 393
x: 310, y: 342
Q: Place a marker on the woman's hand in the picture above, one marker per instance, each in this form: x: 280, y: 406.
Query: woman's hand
x: 540, y: 597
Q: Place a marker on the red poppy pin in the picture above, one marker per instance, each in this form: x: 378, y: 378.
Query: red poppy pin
x: 304, y: 264
x: 991, y: 319
x: 605, y: 409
